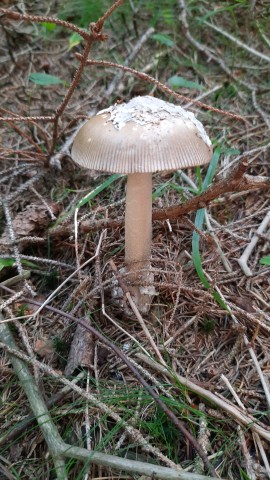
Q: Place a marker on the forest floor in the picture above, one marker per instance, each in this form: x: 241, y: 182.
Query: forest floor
x: 185, y: 386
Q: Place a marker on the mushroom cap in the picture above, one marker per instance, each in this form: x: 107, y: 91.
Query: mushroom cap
x: 142, y: 136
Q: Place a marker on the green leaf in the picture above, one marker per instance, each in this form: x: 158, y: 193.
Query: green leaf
x: 163, y: 39
x: 199, y: 178
x: 159, y: 190
x: 49, y: 27
x: 172, y: 186
x: 10, y: 262
x: 244, y: 476
x: 74, y: 39
x: 44, y: 79
x: 176, y: 82
x: 211, y: 169
x: 265, y: 261
x: 6, y: 262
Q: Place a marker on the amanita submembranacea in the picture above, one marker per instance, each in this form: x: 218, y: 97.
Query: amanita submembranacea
x: 138, y: 138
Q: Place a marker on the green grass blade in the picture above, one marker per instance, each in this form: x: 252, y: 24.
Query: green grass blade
x: 98, y: 189
x: 90, y: 196
x: 211, y: 169
x: 199, y: 179
x: 199, y: 220
x: 265, y: 260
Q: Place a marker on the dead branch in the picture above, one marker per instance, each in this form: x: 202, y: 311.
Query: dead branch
x: 237, y: 181
x: 95, y: 36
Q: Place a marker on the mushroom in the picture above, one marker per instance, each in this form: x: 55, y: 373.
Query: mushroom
x: 138, y: 138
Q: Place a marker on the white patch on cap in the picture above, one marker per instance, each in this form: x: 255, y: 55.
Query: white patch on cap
x: 151, y: 110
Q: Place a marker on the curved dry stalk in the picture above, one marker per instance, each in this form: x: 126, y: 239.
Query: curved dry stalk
x: 41, y: 18
x: 58, y: 448
x: 21, y: 118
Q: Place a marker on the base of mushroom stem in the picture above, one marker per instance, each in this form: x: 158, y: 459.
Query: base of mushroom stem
x: 141, y: 295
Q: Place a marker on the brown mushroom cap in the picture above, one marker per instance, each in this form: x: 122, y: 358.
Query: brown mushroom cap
x: 144, y: 135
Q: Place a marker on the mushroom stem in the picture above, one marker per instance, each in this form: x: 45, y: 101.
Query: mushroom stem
x: 138, y: 231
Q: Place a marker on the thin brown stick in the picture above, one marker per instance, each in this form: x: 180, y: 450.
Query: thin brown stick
x: 107, y: 14
x: 41, y: 19
x: 161, y: 86
x: 69, y: 93
x: 20, y: 118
